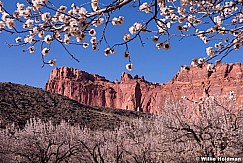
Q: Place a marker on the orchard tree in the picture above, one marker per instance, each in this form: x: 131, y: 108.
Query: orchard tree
x: 180, y: 133
x: 39, y: 23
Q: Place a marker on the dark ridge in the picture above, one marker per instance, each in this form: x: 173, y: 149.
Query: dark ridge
x: 19, y: 103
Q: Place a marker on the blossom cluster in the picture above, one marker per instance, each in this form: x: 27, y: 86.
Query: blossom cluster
x: 145, y: 7
x: 209, y: 20
x: 218, y: 23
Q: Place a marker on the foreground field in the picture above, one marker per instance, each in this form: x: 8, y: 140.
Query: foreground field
x: 45, y: 127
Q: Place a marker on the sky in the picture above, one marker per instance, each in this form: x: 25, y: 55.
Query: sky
x: 155, y: 65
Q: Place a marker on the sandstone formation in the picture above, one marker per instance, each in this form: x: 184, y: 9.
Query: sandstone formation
x: 135, y: 93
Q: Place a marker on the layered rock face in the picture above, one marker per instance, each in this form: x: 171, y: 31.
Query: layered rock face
x: 135, y: 93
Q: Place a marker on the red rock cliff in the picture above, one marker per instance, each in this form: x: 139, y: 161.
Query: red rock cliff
x: 135, y: 93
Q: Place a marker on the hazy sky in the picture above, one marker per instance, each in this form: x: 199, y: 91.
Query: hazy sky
x: 156, y: 65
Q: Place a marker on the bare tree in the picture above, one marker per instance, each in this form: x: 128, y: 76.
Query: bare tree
x: 209, y: 129
x: 179, y: 134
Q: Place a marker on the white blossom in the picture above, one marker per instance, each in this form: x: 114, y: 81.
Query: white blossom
x: 5, y: 16
x: 129, y: 67
x: 94, y: 5
x: 118, y: 21
x: 237, y: 46
x: 107, y: 51
x: 126, y: 37
x: 34, y: 31
x: 113, y: 51
x: 81, y: 37
x: 93, y: 40
x: 48, y: 39
x: 210, y: 51
x: 168, y: 24
x: 28, y: 23
x: 98, y: 22
x: 115, y: 21
x: 62, y: 8
x: 155, y: 39
x: 92, y: 32
x: 145, y: 7
x: 29, y: 39
x: 217, y: 45
x: 31, y: 49
x: 135, y: 28
x: 85, y: 45
x: 205, y: 40
x: 132, y: 30
x: 231, y: 95
x: 41, y: 34
x: 18, y: 39
x: 73, y: 23
x: 181, y: 19
x: 218, y: 20
x: 39, y: 3
x: 159, y: 45
x: 45, y: 16
x: 62, y: 18
x: 16, y: 15
x: 20, y: 6
x: 66, y: 40
x: 211, y: 67
x: 10, y: 23
x: 52, y: 62
x: 82, y: 11
x: 200, y: 61
x: 45, y: 51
